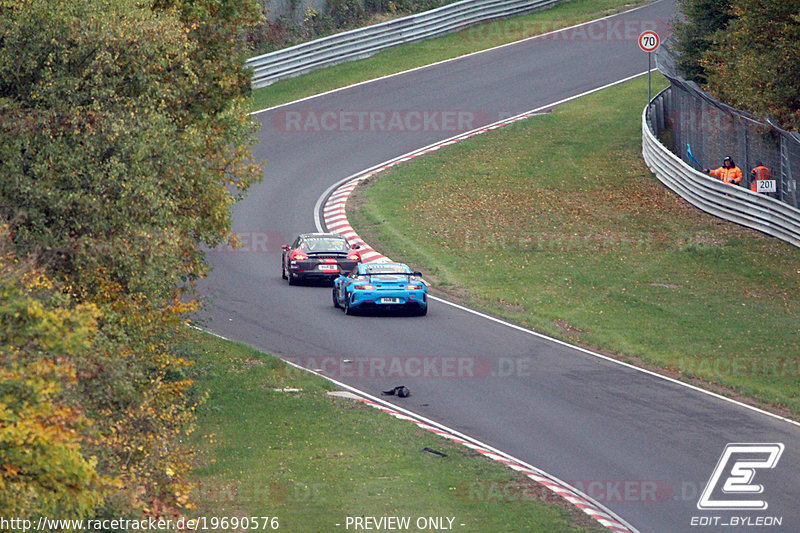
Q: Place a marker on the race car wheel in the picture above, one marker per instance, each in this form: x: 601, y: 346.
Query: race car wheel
x: 293, y: 279
x: 335, y: 293
x: 347, y: 309
x: 283, y: 270
x: 422, y: 311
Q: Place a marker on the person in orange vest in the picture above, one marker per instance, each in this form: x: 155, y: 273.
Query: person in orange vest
x: 728, y: 172
x: 760, y: 172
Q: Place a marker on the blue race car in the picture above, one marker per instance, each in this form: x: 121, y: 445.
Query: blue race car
x: 381, y: 286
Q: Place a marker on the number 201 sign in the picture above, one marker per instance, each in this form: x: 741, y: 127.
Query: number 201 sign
x: 649, y: 41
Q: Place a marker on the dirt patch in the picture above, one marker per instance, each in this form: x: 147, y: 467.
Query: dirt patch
x: 455, y: 293
x: 566, y: 327
x: 514, y: 308
x: 749, y: 293
x: 706, y: 239
x: 252, y: 363
x: 356, y: 198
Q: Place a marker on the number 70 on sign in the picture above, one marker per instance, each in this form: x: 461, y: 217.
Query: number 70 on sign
x: 649, y: 41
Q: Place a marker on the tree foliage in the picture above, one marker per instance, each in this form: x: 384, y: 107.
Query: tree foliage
x: 42, y: 428
x: 217, y: 29
x: 755, y: 64
x: 745, y: 52
x: 694, y: 34
x: 124, y: 141
x: 118, y: 170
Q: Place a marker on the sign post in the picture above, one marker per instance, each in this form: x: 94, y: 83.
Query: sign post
x: 649, y: 42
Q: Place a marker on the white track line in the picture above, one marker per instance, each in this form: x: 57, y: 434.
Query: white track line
x: 451, y: 59
x: 335, y: 199
x: 371, y: 171
x: 610, y: 520
x: 341, y: 200
x: 585, y: 503
x: 582, y: 501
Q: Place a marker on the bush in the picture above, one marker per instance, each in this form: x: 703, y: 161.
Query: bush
x: 695, y: 34
x: 45, y: 432
x: 315, y: 24
x: 340, y: 15
x: 124, y: 140
x: 345, y: 14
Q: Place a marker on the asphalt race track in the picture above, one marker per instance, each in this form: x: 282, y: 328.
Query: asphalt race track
x: 643, y: 446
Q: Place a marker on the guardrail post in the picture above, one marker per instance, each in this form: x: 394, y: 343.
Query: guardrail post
x: 788, y: 183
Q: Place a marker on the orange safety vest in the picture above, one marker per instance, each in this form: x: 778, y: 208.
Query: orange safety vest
x: 759, y: 173
x: 728, y: 175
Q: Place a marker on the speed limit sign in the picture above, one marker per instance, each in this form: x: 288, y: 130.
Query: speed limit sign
x: 649, y: 41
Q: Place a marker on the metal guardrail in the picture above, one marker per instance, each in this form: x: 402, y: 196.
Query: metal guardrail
x: 715, y: 129
x: 363, y: 42
x: 736, y: 204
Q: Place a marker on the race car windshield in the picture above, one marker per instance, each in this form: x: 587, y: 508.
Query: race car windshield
x: 396, y: 270
x: 324, y: 244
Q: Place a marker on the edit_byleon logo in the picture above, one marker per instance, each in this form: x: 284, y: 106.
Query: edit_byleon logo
x: 731, y: 486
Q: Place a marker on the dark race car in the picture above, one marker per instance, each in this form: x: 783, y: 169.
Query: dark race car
x: 320, y: 256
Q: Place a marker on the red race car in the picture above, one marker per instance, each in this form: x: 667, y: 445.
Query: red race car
x: 320, y: 256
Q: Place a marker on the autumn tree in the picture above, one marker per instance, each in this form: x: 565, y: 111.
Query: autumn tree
x: 702, y: 19
x: 44, y: 431
x: 124, y: 142
x: 117, y: 171
x: 217, y: 29
x: 755, y: 64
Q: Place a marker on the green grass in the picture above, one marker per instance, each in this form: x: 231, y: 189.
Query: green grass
x: 404, y: 57
x: 556, y: 223
x: 312, y: 460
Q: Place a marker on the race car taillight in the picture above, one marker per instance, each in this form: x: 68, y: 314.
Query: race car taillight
x: 365, y: 287
x: 298, y: 256
x: 413, y: 287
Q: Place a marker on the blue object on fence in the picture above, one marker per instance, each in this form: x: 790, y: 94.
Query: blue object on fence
x: 691, y: 157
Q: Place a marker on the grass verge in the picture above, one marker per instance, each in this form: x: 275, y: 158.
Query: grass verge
x: 408, y: 56
x: 556, y: 223
x: 312, y: 460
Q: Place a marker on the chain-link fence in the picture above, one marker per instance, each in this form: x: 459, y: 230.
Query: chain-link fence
x: 689, y: 120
